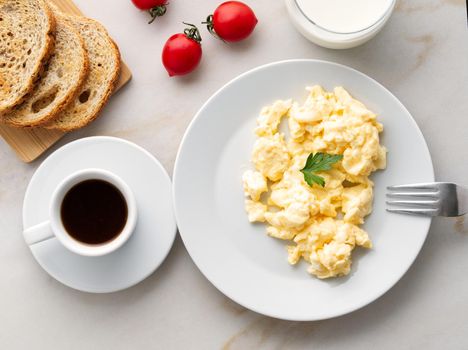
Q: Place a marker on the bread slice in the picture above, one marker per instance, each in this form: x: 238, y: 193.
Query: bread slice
x: 26, y: 41
x: 64, y: 75
x: 104, y: 62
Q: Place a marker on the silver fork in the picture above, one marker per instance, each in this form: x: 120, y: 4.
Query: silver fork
x: 428, y: 199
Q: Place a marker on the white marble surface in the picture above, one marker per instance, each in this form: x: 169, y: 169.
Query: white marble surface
x: 421, y: 56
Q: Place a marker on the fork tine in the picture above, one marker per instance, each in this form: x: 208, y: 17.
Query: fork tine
x: 420, y: 186
x: 423, y: 212
x: 413, y: 194
x: 417, y: 203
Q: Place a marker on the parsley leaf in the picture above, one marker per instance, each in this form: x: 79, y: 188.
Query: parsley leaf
x: 316, y: 163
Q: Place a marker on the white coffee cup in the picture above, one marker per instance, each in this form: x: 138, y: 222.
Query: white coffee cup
x: 54, y: 227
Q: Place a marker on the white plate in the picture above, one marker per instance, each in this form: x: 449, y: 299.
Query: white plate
x: 155, y: 231
x: 236, y: 256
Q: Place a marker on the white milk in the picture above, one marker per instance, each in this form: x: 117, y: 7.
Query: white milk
x: 339, y: 24
x: 344, y: 16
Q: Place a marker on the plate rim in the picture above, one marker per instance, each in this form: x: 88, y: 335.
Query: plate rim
x: 164, y: 173
x: 174, y: 185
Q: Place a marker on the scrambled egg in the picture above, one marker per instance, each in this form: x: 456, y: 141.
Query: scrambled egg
x: 321, y: 222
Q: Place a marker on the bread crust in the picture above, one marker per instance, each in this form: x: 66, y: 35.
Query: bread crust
x: 41, y: 62
x: 67, y: 99
x: 114, y: 78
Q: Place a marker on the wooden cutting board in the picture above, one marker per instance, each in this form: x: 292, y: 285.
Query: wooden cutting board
x: 31, y: 143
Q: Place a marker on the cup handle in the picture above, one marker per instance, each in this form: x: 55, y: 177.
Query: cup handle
x: 38, y: 233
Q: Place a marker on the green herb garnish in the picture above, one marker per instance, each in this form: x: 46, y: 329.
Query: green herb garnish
x: 316, y: 163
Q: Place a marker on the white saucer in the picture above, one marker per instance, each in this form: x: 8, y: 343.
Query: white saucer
x: 156, y: 226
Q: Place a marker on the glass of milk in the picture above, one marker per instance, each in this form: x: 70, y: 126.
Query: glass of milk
x: 339, y: 24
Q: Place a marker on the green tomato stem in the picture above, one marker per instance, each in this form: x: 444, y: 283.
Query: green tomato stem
x: 192, y: 32
x: 157, y: 11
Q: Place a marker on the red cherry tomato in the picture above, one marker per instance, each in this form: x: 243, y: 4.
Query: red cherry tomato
x: 232, y: 21
x: 156, y: 8
x: 182, y: 52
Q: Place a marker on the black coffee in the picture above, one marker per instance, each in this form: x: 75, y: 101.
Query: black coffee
x: 94, y: 212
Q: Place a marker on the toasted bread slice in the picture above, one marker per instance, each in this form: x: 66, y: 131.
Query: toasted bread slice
x: 26, y: 41
x: 104, y: 69
x: 64, y: 75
